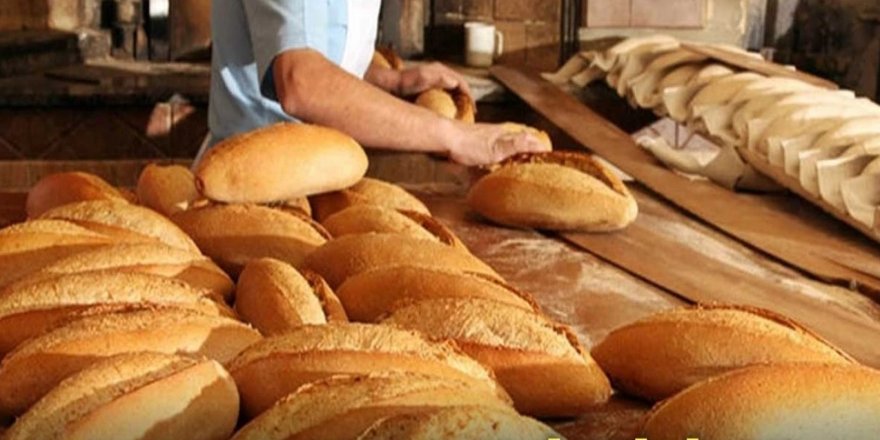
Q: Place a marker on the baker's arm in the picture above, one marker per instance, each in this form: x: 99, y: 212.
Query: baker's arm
x: 313, y: 89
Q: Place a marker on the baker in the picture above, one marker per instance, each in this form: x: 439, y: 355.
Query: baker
x: 311, y: 61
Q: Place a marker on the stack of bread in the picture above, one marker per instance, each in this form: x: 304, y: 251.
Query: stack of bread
x: 825, y: 142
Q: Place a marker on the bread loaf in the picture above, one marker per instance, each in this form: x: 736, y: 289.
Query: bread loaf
x: 61, y: 189
x: 370, y: 294
x: 541, y: 364
x: 660, y: 355
x: 232, y: 235
x: 277, y: 366
x: 460, y: 423
x: 449, y: 104
x: 541, y: 190
x: 390, y: 57
x: 347, y: 256
x: 807, y: 401
x: 343, y: 407
x: 123, y: 220
x: 280, y: 162
x: 167, y: 189
x: 30, y: 310
x: 40, y: 234
x: 148, y: 258
x: 367, y: 191
x: 275, y: 298
x: 39, y: 364
x: 514, y: 128
x: 136, y: 396
x: 362, y: 219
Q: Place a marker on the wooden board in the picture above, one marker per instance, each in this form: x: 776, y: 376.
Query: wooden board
x: 11, y: 208
x: 782, y: 226
x: 757, y: 65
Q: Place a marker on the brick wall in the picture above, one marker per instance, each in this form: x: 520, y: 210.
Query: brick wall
x: 530, y: 28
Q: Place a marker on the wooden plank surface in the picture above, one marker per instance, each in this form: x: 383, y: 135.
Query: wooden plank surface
x: 783, y: 226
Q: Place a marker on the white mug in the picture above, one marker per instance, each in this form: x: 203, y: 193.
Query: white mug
x: 483, y: 43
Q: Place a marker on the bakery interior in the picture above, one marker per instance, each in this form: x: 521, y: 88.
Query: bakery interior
x: 698, y: 258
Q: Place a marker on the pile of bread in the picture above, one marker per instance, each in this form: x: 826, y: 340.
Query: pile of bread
x: 372, y: 321
x: 827, y: 142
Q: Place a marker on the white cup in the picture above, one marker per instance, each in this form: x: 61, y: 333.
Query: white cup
x: 483, y: 43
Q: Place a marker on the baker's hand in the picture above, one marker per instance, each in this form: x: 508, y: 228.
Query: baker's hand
x: 415, y: 80
x: 486, y: 144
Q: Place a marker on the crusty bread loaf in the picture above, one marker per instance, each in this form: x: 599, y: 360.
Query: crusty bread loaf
x: 367, y: 191
x: 280, y: 162
x: 232, y: 235
x: 370, y: 294
x: 541, y: 190
x: 150, y: 258
x: 275, y: 298
x: 660, y: 355
x: 136, y: 396
x: 122, y: 220
x: 167, y: 189
x: 347, y: 256
x: 301, y: 204
x: 277, y: 366
x: 806, y: 401
x: 30, y: 310
x: 515, y: 128
x: 39, y: 364
x: 362, y: 219
x: 60, y: 189
x: 343, y: 407
x: 449, y: 104
x: 541, y: 364
x: 460, y: 423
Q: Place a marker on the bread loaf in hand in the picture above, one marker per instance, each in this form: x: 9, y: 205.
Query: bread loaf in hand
x: 453, y: 104
x: 136, y: 396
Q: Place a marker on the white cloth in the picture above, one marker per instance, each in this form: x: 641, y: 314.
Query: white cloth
x: 360, y: 39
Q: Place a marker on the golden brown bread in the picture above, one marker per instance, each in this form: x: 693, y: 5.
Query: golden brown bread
x: 167, y: 189
x: 39, y: 364
x: 660, y: 355
x: 460, y: 423
x: 275, y: 298
x: 515, y: 128
x: 541, y: 364
x: 347, y: 256
x: 449, y: 104
x: 539, y: 190
x: 366, y: 191
x: 60, y: 189
x: 30, y: 310
x: 150, y: 258
x: 370, y: 294
x: 805, y: 401
x: 362, y: 219
x: 280, y: 162
x: 277, y: 366
x: 390, y: 57
x: 123, y: 220
x: 232, y: 235
x: 136, y: 396
x: 343, y: 407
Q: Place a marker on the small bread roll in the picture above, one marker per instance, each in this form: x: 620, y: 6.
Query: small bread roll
x: 805, y: 401
x: 370, y: 192
x: 39, y: 364
x: 363, y: 219
x: 275, y: 298
x: 541, y: 364
x: 232, y: 235
x: 370, y: 294
x: 61, y: 189
x: 280, y: 162
x: 460, y: 423
x: 514, y: 128
x: 661, y: 355
x: 449, y: 104
x: 347, y: 256
x: 343, y: 407
x: 136, y: 396
x: 167, y: 189
x: 277, y: 366
x: 148, y: 258
x: 555, y: 191
x: 30, y: 310
x: 123, y: 221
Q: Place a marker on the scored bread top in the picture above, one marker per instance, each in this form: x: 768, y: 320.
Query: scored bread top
x: 364, y: 218
x: 485, y: 322
x: 461, y: 423
x: 370, y: 192
x: 40, y: 234
x: 333, y: 399
x: 60, y: 189
x: 167, y: 189
x: 577, y: 161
